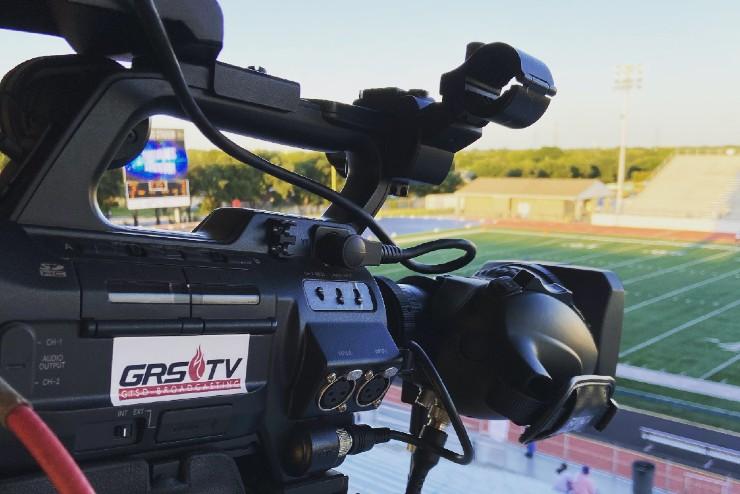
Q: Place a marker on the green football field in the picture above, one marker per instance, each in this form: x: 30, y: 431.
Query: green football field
x: 682, y: 310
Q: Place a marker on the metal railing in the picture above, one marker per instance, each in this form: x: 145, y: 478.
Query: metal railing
x: 691, y: 445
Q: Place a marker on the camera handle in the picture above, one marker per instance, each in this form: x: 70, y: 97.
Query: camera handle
x: 70, y: 158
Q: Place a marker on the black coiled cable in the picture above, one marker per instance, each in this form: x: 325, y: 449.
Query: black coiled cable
x: 391, y: 253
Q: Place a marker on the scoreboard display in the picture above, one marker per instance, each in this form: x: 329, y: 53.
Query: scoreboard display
x: 157, y: 178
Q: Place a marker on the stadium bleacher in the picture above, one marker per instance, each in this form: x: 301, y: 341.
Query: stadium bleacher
x: 692, y: 186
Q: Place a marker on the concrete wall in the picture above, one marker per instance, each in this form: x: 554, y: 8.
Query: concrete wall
x: 440, y: 201
x: 484, y: 206
x: 668, y: 223
x: 542, y: 209
x: 538, y: 209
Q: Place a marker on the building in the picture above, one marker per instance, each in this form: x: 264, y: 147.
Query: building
x: 542, y: 199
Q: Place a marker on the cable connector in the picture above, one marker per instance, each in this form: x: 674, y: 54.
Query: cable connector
x: 365, y: 437
x: 10, y: 399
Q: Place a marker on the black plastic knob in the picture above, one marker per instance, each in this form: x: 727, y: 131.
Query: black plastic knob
x: 347, y: 251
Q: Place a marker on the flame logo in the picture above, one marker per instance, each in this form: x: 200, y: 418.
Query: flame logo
x: 197, y: 366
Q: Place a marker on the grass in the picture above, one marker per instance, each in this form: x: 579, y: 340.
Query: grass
x: 702, y: 279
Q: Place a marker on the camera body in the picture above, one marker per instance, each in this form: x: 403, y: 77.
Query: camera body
x: 130, y: 344
x: 235, y: 356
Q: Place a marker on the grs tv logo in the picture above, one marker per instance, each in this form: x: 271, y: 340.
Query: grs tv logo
x: 163, y: 368
x: 175, y: 372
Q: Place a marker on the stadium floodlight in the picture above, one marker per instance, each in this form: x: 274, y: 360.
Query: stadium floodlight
x: 628, y: 77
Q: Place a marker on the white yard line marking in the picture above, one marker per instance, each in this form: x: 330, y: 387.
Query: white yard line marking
x: 721, y: 367
x: 622, y: 240
x: 676, y: 267
x: 441, y: 234
x: 630, y: 262
x: 679, y: 291
x: 680, y: 328
x: 602, y: 253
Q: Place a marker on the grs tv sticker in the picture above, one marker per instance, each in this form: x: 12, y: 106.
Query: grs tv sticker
x: 165, y: 368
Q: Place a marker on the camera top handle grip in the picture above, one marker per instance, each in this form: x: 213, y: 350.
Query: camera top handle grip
x: 69, y: 159
x: 386, y: 140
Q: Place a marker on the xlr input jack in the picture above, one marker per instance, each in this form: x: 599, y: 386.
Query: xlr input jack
x: 371, y: 392
x: 335, y: 393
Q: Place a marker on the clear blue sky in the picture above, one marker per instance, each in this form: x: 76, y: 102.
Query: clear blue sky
x: 689, y: 50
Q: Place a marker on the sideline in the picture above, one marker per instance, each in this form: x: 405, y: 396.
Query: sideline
x: 694, y: 385
x: 623, y: 240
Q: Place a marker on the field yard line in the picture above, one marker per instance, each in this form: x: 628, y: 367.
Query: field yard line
x: 441, y: 234
x: 721, y: 367
x: 596, y: 255
x: 680, y: 328
x: 682, y: 383
x: 688, y: 264
x: 629, y: 262
x: 646, y: 241
x: 678, y: 291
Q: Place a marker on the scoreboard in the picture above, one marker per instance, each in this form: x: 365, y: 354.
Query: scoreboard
x: 157, y: 178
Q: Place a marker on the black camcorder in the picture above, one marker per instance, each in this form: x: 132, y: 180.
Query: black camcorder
x: 233, y: 358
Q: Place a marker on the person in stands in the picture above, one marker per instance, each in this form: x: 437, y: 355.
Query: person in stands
x: 563, y: 480
x: 583, y: 483
x: 531, y: 450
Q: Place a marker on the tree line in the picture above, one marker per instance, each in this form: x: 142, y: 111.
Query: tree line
x: 554, y: 162
x: 216, y: 179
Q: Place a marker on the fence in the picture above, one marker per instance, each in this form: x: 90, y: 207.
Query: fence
x: 670, y: 476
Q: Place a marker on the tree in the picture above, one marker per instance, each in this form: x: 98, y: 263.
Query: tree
x: 110, y: 191
x: 514, y: 172
x: 222, y: 183
x: 575, y: 172
x: 555, y: 161
x: 542, y: 173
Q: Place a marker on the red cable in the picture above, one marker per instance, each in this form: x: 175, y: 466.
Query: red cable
x: 48, y: 451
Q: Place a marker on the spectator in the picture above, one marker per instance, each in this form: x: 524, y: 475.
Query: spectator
x: 563, y: 481
x: 583, y: 483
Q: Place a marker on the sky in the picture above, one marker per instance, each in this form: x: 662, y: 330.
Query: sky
x: 689, y: 52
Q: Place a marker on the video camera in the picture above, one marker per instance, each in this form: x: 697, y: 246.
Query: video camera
x: 233, y: 358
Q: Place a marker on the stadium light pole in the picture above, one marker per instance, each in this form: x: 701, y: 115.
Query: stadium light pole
x: 628, y: 77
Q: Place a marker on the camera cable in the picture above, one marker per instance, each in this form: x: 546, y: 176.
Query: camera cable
x: 365, y: 437
x: 170, y: 66
x: 44, y: 446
